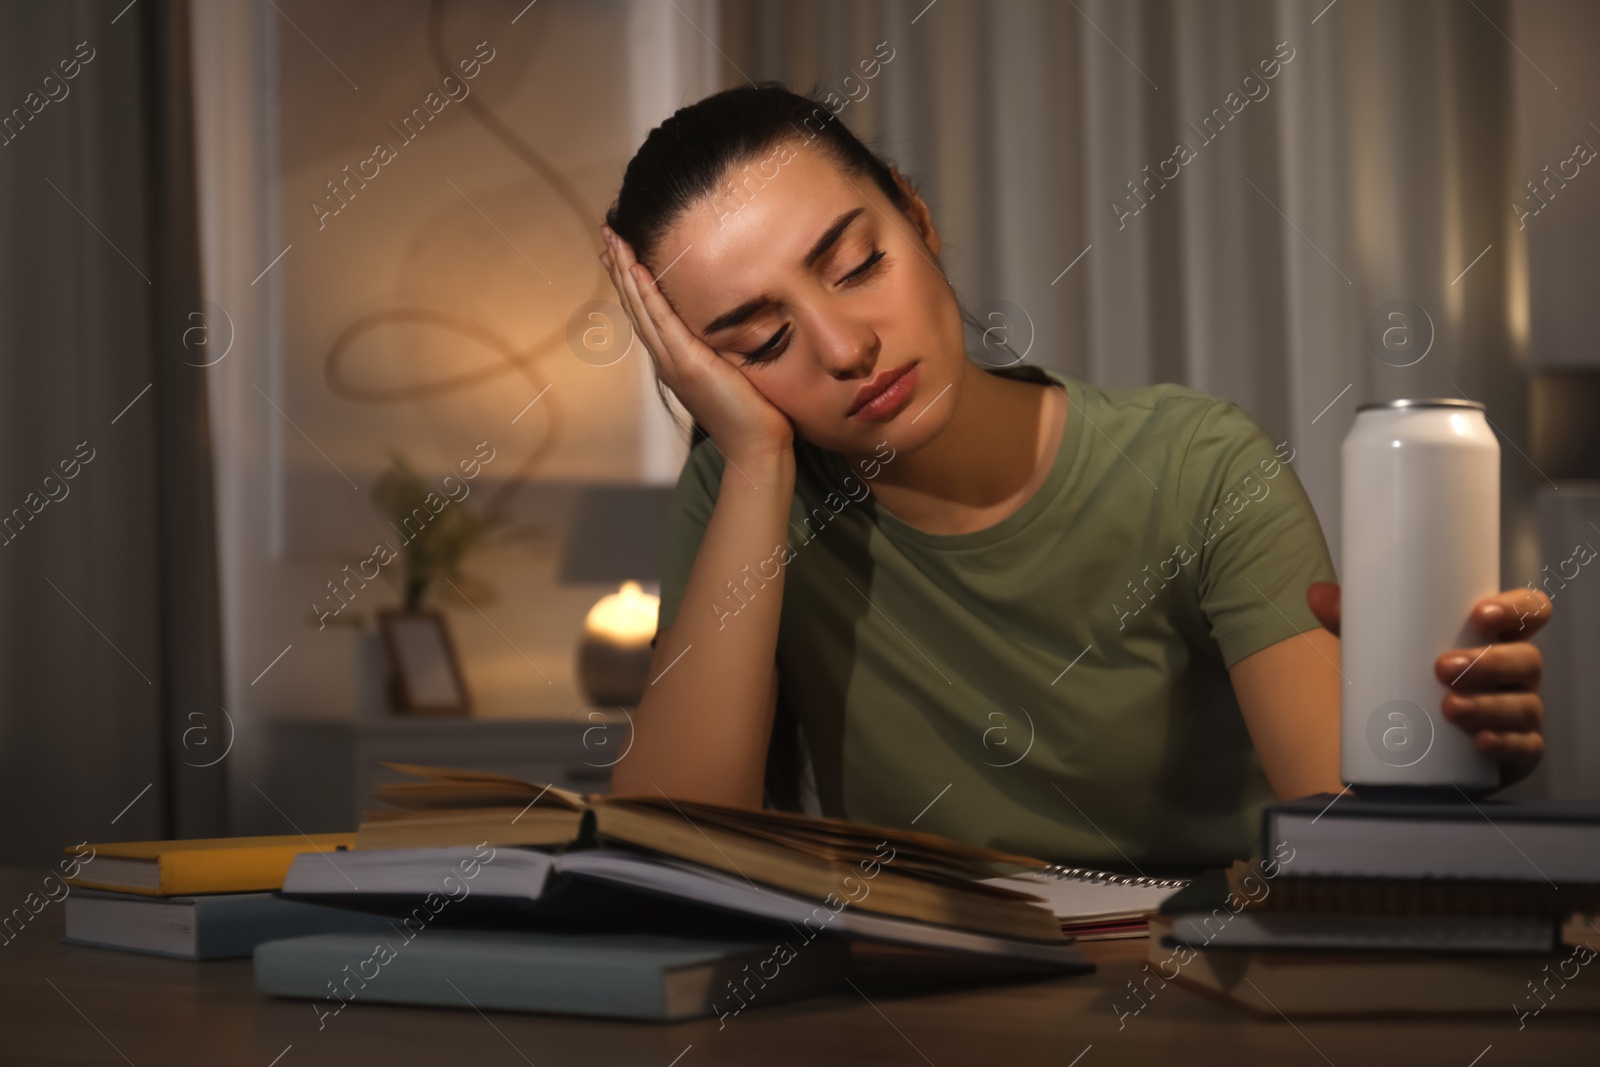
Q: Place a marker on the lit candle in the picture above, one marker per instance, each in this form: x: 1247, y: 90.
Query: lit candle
x: 614, y: 652
x: 625, y: 618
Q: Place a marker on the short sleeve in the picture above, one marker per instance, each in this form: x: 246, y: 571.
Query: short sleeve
x: 688, y: 515
x: 1260, y: 542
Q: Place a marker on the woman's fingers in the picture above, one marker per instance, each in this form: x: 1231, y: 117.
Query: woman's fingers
x: 1494, y: 690
x: 1500, y: 712
x: 1518, y: 752
x: 1323, y: 600
x: 1514, y: 615
x: 621, y: 262
x: 666, y: 333
x: 616, y: 260
x: 1512, y: 664
x: 609, y: 259
x: 671, y: 329
x: 649, y: 327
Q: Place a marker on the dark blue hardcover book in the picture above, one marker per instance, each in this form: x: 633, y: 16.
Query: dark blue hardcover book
x: 1210, y: 914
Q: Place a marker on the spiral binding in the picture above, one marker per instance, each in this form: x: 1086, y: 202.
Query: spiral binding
x: 1095, y: 877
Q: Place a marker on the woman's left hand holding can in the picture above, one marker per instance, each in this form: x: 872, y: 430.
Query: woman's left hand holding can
x: 1494, y: 687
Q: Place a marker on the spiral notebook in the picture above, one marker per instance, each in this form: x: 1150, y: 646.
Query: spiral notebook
x: 1095, y: 905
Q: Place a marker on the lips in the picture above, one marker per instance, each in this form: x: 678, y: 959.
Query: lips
x: 874, y: 388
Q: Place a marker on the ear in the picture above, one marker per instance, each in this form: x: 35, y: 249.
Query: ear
x: 919, y: 214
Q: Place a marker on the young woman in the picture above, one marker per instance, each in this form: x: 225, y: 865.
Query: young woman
x: 1088, y: 624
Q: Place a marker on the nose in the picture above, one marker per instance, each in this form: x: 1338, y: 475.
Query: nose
x: 847, y: 347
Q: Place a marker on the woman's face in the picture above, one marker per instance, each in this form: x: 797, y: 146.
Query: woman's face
x: 812, y: 283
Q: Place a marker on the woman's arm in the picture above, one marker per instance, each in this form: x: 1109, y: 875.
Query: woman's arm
x: 1289, y: 694
x: 702, y: 728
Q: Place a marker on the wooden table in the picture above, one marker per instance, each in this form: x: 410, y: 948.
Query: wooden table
x: 65, y: 1004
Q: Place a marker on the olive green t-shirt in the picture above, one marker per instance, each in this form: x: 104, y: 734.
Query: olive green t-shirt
x: 1055, y: 684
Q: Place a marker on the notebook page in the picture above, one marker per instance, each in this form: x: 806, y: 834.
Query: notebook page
x: 1074, y: 900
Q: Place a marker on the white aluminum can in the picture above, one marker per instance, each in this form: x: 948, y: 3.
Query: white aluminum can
x: 1421, y: 546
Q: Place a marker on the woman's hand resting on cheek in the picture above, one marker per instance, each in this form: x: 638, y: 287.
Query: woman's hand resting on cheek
x: 1494, y: 688
x: 738, y: 418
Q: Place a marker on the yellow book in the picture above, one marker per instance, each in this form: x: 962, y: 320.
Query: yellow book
x: 198, y: 865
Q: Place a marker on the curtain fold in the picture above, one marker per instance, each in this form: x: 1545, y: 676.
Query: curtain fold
x: 188, y: 338
x: 110, y: 634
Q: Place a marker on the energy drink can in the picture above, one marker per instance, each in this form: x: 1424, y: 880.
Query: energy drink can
x: 1420, y: 546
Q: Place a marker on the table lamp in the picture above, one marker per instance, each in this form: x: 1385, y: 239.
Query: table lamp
x: 615, y: 538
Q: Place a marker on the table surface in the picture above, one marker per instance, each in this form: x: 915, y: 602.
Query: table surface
x: 68, y: 1004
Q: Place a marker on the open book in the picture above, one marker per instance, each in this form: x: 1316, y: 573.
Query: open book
x: 640, y: 889
x: 900, y: 873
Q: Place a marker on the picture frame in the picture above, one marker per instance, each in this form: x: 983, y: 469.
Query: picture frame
x: 425, y: 672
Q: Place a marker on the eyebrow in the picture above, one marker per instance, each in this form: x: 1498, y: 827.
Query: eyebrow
x: 746, y: 310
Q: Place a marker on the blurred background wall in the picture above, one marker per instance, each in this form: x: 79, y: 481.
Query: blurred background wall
x: 1383, y: 169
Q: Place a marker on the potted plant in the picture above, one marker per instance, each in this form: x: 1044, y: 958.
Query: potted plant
x: 406, y: 649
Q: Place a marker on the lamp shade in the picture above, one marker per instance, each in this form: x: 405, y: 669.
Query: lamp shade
x: 616, y: 534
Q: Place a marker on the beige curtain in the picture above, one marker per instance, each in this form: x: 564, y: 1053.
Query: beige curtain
x: 1372, y: 167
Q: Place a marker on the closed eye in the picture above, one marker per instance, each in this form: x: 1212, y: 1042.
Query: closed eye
x: 768, y: 351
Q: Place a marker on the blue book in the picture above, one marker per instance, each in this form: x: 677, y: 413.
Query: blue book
x: 212, y: 926
x: 619, y: 975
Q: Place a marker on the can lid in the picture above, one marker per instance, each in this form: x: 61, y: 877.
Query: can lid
x: 1428, y: 402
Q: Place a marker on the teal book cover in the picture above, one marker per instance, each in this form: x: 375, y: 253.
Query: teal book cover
x: 619, y: 975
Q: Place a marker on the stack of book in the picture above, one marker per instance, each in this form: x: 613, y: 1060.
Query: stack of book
x: 532, y: 898
x: 1358, y: 906
x: 198, y: 899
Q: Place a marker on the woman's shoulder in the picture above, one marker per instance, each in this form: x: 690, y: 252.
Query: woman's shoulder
x: 1167, y: 402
